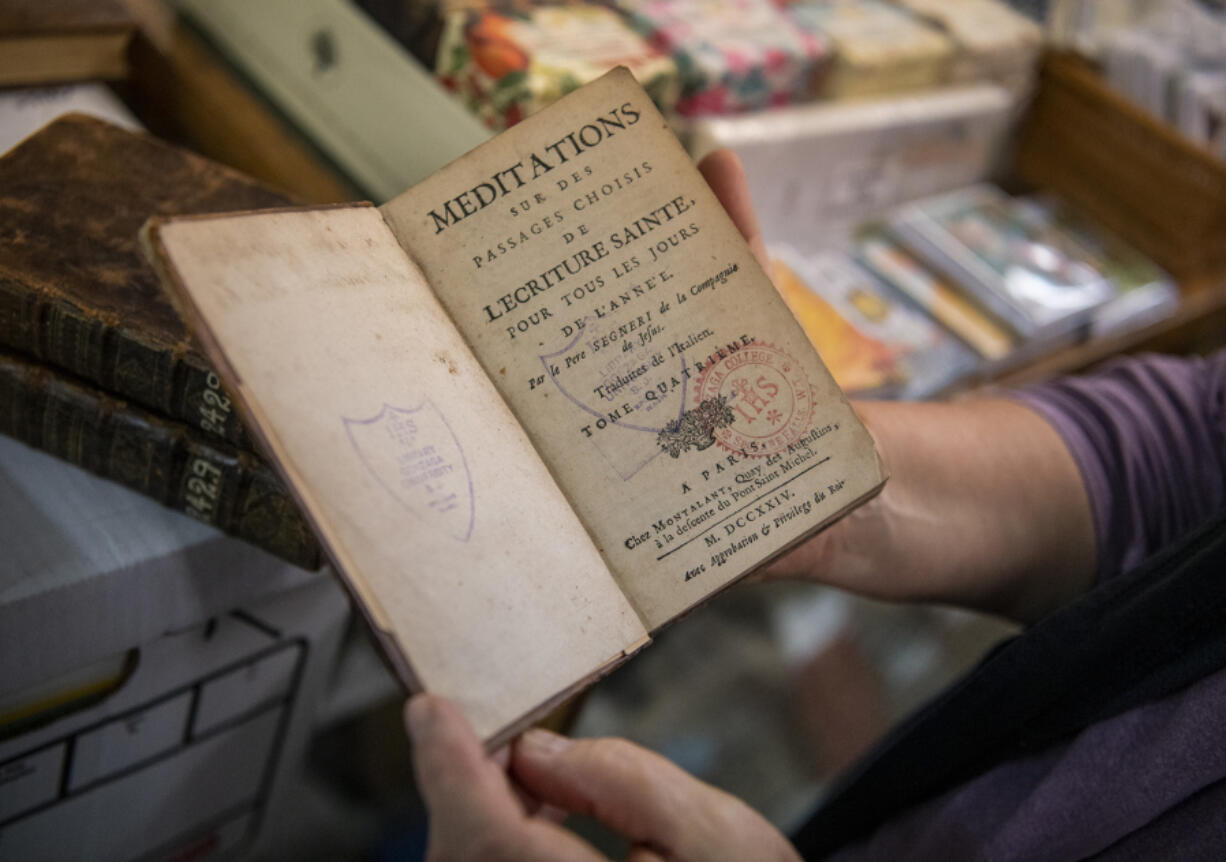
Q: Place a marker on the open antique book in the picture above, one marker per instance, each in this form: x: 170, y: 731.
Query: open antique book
x: 536, y: 407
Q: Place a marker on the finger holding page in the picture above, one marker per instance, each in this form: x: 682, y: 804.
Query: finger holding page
x: 475, y: 813
x: 660, y: 808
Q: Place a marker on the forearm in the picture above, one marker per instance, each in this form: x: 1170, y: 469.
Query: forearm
x: 984, y: 508
x: 987, y: 507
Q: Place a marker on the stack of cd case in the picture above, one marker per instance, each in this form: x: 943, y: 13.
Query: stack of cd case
x: 936, y: 295
x: 1144, y: 293
x: 1034, y: 277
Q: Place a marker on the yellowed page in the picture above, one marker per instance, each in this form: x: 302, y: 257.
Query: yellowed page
x: 432, y: 501
x: 620, y: 314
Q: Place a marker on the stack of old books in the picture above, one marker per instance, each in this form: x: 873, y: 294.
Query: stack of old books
x: 96, y: 367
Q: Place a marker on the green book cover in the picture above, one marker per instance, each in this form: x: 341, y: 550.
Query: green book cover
x: 367, y: 104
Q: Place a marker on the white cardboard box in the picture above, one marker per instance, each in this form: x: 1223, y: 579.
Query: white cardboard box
x: 24, y: 111
x: 816, y: 170
x: 192, y: 755
x: 89, y: 568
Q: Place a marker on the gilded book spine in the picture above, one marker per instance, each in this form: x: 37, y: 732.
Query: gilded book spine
x: 173, y: 379
x: 211, y: 481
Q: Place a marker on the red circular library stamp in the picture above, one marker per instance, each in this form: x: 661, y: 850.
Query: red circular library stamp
x: 768, y: 394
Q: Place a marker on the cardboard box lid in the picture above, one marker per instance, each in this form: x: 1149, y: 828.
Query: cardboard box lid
x: 90, y: 568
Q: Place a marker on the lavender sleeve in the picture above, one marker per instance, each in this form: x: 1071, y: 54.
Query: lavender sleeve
x: 1149, y: 437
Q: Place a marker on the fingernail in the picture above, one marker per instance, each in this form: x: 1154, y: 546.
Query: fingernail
x: 420, y: 716
x: 543, y: 743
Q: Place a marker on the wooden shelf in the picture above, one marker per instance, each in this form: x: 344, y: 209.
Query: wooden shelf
x: 1141, y: 179
x: 1125, y: 168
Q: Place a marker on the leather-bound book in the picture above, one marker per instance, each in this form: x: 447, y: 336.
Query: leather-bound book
x: 208, y: 479
x: 76, y: 293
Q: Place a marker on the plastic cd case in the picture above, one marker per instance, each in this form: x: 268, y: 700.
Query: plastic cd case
x: 944, y: 302
x: 1033, y: 276
x: 1144, y: 292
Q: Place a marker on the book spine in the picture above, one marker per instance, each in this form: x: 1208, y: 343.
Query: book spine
x: 210, y: 481
x: 172, y: 379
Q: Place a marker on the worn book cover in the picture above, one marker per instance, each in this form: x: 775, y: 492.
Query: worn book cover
x: 75, y: 292
x: 536, y: 407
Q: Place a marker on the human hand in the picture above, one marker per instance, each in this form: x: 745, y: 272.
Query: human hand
x: 724, y: 173
x: 506, y: 806
x: 837, y: 555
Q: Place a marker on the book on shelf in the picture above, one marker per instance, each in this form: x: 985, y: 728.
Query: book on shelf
x: 878, y: 48
x: 57, y: 41
x: 1087, y: 26
x: 732, y: 55
x: 918, y: 356
x: 861, y: 364
x: 375, y: 112
x: 1173, y: 65
x: 75, y: 292
x: 992, y: 41
x: 897, y: 266
x: 186, y: 92
x: 204, y: 477
x: 507, y: 64
x: 536, y: 407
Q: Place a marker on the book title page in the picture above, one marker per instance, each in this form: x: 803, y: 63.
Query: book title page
x: 625, y: 321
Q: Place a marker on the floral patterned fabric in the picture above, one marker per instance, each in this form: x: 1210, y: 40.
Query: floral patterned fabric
x: 733, y: 55
x: 510, y: 63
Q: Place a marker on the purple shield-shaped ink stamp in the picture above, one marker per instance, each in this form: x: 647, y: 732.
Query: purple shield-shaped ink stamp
x: 415, y: 456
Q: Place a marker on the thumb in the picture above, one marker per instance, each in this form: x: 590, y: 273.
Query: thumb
x: 474, y: 813
x: 724, y: 173
x: 645, y: 797
x: 461, y: 785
